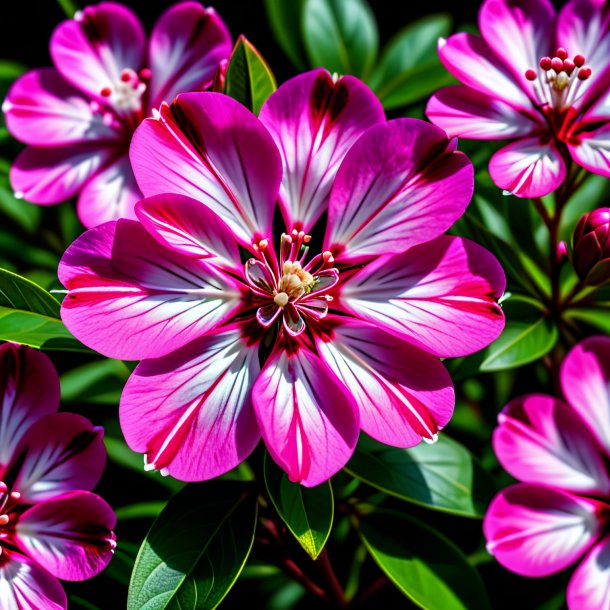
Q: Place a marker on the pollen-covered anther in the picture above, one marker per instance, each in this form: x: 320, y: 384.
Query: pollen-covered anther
x: 126, y: 93
x: 281, y: 299
x: 4, y: 519
x: 295, y: 281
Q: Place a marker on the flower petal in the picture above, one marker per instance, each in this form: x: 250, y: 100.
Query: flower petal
x: 109, y: 195
x: 61, y: 452
x: 42, y: 109
x: 155, y: 300
x: 400, y: 185
x: 441, y: 296
x: 93, y: 49
x: 307, y: 417
x: 464, y: 112
x: 592, y: 150
x: 314, y: 121
x: 519, y: 32
x: 537, y: 531
x: 473, y: 63
x: 25, y: 586
x: 191, y: 228
x: 52, y: 175
x: 541, y: 439
x: 186, y: 46
x: 403, y: 393
x: 529, y: 167
x: 590, y: 584
x: 585, y: 381
x: 70, y: 535
x: 197, y: 406
x: 29, y: 390
x: 211, y: 148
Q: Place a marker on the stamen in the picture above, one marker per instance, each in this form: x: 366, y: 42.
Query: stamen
x: 4, y: 519
x: 106, y: 92
x: 531, y: 75
x: 557, y: 64
x: 545, y: 63
x: 281, y: 299
x: 584, y: 73
x: 561, y: 53
x: 579, y: 60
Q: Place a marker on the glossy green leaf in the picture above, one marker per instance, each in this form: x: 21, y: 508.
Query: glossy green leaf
x: 249, y: 79
x: 307, y: 512
x: 596, y: 316
x: 443, y: 476
x: 195, y: 549
x: 69, y: 7
x: 340, y: 35
x: 285, y: 20
x: 409, y: 69
x: 141, y: 510
x: 99, y: 382
x: 26, y: 215
x: 425, y: 566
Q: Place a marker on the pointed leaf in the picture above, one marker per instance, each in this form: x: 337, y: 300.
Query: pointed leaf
x: 195, y: 549
x: 443, y: 476
x: 307, y: 511
x: 285, y: 20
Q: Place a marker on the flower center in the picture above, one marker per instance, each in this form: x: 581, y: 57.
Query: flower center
x: 557, y: 82
x: 125, y: 95
x: 8, y: 502
x: 291, y: 289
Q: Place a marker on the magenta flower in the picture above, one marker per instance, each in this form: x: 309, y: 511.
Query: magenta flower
x: 302, y: 349
x: 560, y: 450
x: 50, y: 526
x: 526, y: 80
x: 78, y: 118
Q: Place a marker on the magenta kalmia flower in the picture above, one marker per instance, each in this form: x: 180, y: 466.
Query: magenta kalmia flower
x: 78, y: 118
x: 338, y: 329
x: 50, y: 526
x: 535, y: 77
x: 560, y: 450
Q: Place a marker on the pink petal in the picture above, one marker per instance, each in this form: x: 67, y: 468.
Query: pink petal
x: 585, y: 380
x: 592, y: 150
x: 44, y: 110
x: 473, y: 63
x: 541, y: 439
x: 403, y: 393
x: 70, y: 535
x: 211, y: 148
x: 537, y: 531
x: 307, y: 417
x: 400, y: 185
x: 441, y: 296
x: 314, y: 121
x: 520, y: 33
x: 25, y: 586
x: 29, y: 390
x: 186, y: 46
x: 197, y: 407
x: 61, y: 452
x: 92, y: 50
x: 529, y: 167
x: 131, y: 298
x: 109, y: 195
x: 191, y: 228
x: 52, y: 175
x: 589, y: 586
x: 464, y: 112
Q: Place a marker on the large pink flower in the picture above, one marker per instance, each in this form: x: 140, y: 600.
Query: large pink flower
x: 51, y: 526
x: 303, y: 350
x: 78, y: 118
x: 526, y: 80
x: 560, y: 450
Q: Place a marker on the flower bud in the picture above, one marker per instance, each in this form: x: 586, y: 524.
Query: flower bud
x: 591, y: 247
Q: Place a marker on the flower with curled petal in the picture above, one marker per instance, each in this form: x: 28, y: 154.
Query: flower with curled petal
x: 51, y: 526
x: 238, y: 339
x: 78, y: 118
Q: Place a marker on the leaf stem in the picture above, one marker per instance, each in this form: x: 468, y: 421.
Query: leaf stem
x: 328, y: 572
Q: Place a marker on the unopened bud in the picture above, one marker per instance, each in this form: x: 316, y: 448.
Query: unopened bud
x: 591, y: 247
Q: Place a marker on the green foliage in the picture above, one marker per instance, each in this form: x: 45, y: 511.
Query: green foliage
x: 285, y: 20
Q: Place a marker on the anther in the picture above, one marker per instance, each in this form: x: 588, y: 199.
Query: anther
x: 15, y: 495
x: 584, y: 73
x: 568, y: 66
x: 545, y: 63
x: 327, y: 257
x: 557, y: 64
x: 106, y: 92
x: 306, y: 239
x: 281, y: 299
x: 263, y: 243
x: 579, y: 61
x: 3, y: 487
x: 126, y: 75
x: 530, y: 75
x: 4, y: 519
x: 145, y: 73
x: 561, y: 53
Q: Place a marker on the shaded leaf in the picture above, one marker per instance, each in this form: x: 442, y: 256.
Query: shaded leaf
x: 141, y: 510
x: 99, y: 382
x: 285, y: 20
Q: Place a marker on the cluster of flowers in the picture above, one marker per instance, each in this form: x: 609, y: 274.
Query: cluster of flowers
x: 202, y: 217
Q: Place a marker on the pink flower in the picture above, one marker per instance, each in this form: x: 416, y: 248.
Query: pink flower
x: 303, y: 350
x: 78, y: 118
x: 50, y: 527
x: 526, y: 80
x: 560, y: 450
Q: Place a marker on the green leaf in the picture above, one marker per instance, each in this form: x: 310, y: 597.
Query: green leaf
x: 340, y: 35
x: 409, y: 68
x: 141, y: 510
x: 308, y: 512
x: 443, y: 476
x: 249, y: 79
x: 597, y: 316
x: 30, y: 315
x: 196, y: 548
x: 285, y: 20
x: 99, y: 382
x: 26, y: 215
x: 69, y: 7
x: 425, y: 566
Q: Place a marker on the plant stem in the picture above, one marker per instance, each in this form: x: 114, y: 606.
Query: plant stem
x: 335, y: 587
x: 69, y: 7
